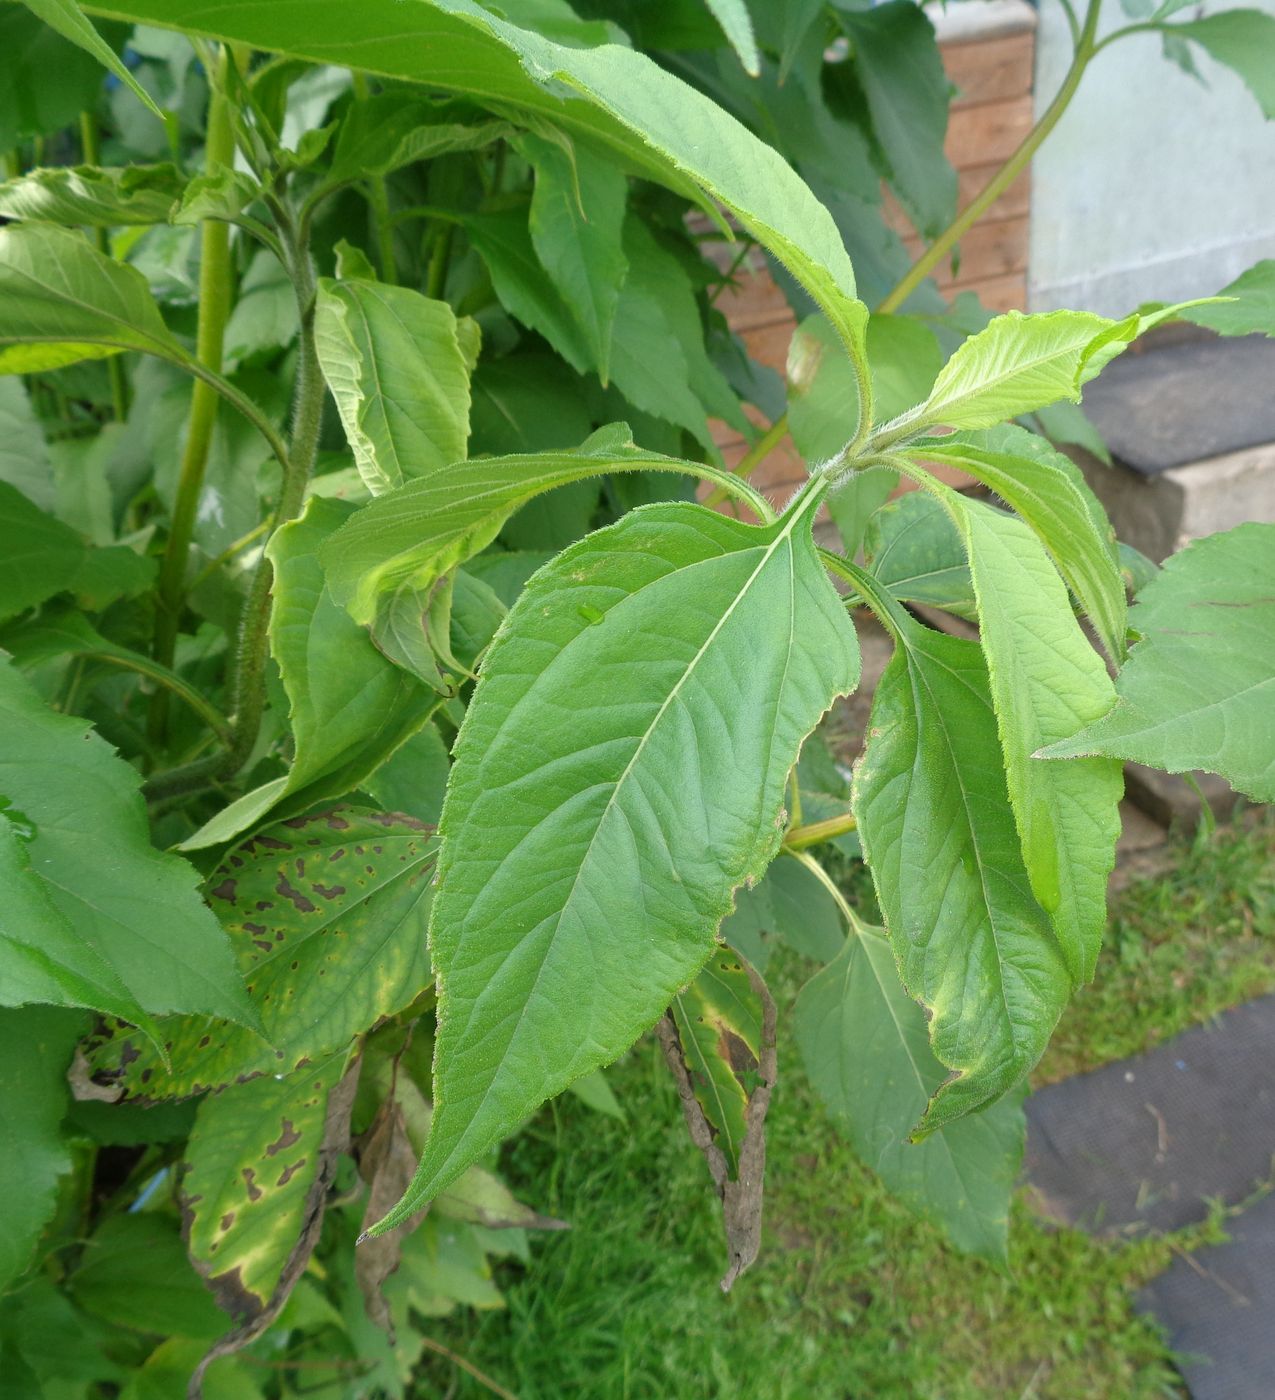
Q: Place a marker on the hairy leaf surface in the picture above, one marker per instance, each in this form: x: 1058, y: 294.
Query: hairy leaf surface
x: 620, y: 770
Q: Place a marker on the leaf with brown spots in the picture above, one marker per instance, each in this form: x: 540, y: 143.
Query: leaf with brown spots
x: 250, y: 1163
x: 327, y: 917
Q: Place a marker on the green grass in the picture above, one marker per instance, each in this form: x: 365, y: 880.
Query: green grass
x: 852, y: 1297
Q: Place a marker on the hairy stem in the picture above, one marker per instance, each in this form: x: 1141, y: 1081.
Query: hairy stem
x: 91, y: 150
x: 215, y: 276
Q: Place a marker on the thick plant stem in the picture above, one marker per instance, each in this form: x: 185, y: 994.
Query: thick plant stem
x: 1007, y: 174
x: 91, y: 150
x: 379, y: 199
x: 214, y: 311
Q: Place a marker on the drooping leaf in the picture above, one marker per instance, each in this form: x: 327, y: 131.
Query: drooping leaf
x: 69, y: 20
x: 61, y: 301
x: 897, y: 61
x: 326, y: 915
x: 35, y: 1048
x: 577, y: 223
x: 251, y: 1161
x: 866, y: 1052
x: 1252, y: 311
x: 1198, y: 688
x: 350, y: 706
x: 737, y: 25
x: 1243, y: 40
x: 972, y: 944
x: 611, y: 97
x: 135, y: 906
x: 914, y: 551
x: 581, y: 849
x: 718, y: 1019
x: 395, y: 367
x: 87, y: 194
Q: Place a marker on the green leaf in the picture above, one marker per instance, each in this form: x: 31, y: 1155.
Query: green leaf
x: 166, y: 1373
x: 577, y: 223
x: 101, y: 198
x: 562, y: 849
x: 35, y: 1049
x: 414, y: 777
x: 45, y: 81
x: 350, y: 707
x: 866, y: 1051
x: 790, y: 904
x: 853, y: 504
x: 906, y: 358
x: 1251, y: 312
x: 412, y: 536
x: 718, y: 1019
x: 135, y: 1275
x: 136, y: 907
x: 68, y: 19
x: 1051, y: 495
x: 326, y: 915
x: 220, y: 193
x: 914, y: 551
x: 595, y: 1092
x: 611, y: 97
x: 823, y: 392
x: 1047, y: 683
x: 24, y: 454
x: 1243, y: 40
x: 737, y: 25
x: 897, y: 61
x: 394, y: 364
x: 1197, y: 690
x: 62, y: 301
x: 972, y: 944
x: 250, y: 1164
x: 39, y: 556
x: 388, y: 131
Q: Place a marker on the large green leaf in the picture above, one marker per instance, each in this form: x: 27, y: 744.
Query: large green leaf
x: 350, y: 707
x: 85, y: 194
x: 39, y: 555
x: 973, y: 945
x: 1198, y: 690
x: 251, y: 1161
x: 134, y: 906
x: 1244, y: 40
x: 787, y: 903
x: 620, y: 771
x: 61, y: 300
x: 613, y: 98
x: 898, y: 64
x: 866, y: 1051
x: 68, y: 19
x: 577, y: 223
x: 326, y: 915
x: 24, y: 454
x: 1048, y: 491
x: 1251, y: 309
x: 412, y: 536
x: 35, y: 1049
x: 1047, y: 683
x: 395, y: 367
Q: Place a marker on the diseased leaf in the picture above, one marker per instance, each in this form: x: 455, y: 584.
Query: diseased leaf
x: 866, y: 1051
x: 1198, y: 688
x: 720, y: 638
x: 35, y: 1049
x: 973, y: 945
x: 86, y: 194
x: 251, y: 1161
x: 326, y: 915
x: 1243, y: 40
x: 394, y: 364
x: 133, y: 905
x: 62, y: 301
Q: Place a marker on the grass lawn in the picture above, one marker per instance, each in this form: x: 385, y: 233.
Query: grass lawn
x: 852, y: 1297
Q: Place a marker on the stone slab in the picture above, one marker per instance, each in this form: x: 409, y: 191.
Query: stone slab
x: 1218, y: 1307
x: 1144, y: 1143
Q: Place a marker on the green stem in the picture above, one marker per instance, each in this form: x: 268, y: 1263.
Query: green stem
x: 816, y: 833
x: 91, y: 150
x: 215, y: 275
x: 172, y: 683
x: 379, y: 199
x: 439, y: 258
x: 1007, y: 174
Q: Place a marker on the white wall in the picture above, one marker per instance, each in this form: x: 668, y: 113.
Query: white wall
x: 1152, y: 186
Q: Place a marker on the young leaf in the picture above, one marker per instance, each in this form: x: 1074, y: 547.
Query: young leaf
x: 326, y: 917
x: 35, y: 1048
x: 577, y: 222
x: 1197, y: 690
x: 62, y: 301
x: 575, y: 897
x: 69, y: 20
x: 133, y: 905
x: 898, y: 64
x: 1243, y: 40
x: 394, y: 364
x: 866, y: 1051
x: 85, y: 194
x: 251, y: 1162
x: 973, y: 945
